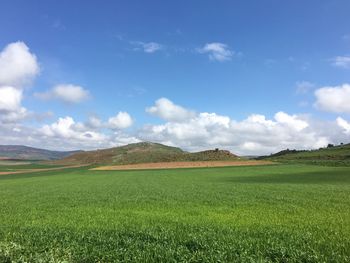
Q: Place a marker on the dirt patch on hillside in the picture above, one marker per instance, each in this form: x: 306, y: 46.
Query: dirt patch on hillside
x: 174, y: 165
x: 39, y: 170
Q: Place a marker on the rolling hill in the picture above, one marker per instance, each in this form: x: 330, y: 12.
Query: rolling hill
x: 21, y: 152
x: 144, y: 152
x: 332, y: 155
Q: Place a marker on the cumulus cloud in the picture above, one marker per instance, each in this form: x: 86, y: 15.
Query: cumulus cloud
x: 216, y: 51
x: 250, y: 136
x: 17, y: 65
x: 292, y: 121
x: 66, y: 133
x: 256, y: 134
x: 67, y: 93
x: 14, y: 133
x: 345, y: 125
x: 10, y: 105
x: 341, y: 62
x: 333, y: 99
x: 11, y: 109
x: 10, y: 98
x: 67, y: 128
x: 121, y: 121
x: 18, y: 68
x: 149, y: 47
x: 13, y: 116
x: 167, y: 110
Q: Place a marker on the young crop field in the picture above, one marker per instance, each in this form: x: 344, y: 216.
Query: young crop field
x: 271, y: 213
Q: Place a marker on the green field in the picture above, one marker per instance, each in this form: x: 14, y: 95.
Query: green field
x: 277, y: 213
x: 12, y: 166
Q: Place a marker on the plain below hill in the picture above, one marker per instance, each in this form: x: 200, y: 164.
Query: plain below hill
x: 144, y: 152
x: 331, y: 155
x: 20, y: 152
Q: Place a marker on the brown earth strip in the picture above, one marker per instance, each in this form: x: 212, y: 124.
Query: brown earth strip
x: 174, y: 165
x: 39, y: 170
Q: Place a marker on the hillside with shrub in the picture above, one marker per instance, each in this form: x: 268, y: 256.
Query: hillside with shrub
x: 145, y: 152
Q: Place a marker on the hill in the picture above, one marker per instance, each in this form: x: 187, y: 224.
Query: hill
x: 332, y: 155
x: 144, y: 152
x: 21, y: 152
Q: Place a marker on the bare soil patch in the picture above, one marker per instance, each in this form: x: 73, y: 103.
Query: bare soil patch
x: 174, y: 165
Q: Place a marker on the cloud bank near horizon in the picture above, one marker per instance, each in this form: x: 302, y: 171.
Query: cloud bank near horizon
x: 179, y: 126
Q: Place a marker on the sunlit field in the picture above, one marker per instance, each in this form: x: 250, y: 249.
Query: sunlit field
x: 274, y: 213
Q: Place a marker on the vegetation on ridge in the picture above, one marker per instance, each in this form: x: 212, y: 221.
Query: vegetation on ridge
x: 332, y: 155
x: 144, y: 152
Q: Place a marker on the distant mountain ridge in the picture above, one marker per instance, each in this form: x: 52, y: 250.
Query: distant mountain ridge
x: 144, y: 152
x: 22, y: 152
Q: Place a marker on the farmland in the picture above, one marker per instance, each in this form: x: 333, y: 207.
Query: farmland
x: 271, y: 213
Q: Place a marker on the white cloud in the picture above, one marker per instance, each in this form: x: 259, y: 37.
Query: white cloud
x: 303, y: 87
x: 261, y: 119
x: 119, y: 138
x: 65, y: 92
x: 344, y: 125
x: 341, y: 62
x: 11, y: 109
x: 292, y: 121
x: 10, y: 98
x: 67, y: 128
x: 212, y: 119
x: 254, y: 135
x: 333, y: 99
x: 121, y: 121
x: 18, y: 66
x: 257, y: 134
x: 149, y: 47
x: 216, y: 51
x: 167, y: 110
x: 63, y: 134
x: 66, y: 133
x: 13, y: 116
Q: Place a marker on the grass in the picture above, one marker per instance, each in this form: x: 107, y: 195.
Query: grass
x: 11, y: 166
x: 277, y: 213
x: 331, y: 156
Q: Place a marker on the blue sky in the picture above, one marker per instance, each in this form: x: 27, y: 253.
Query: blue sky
x: 234, y: 59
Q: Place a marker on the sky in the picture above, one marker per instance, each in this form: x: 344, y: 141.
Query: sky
x: 253, y: 77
